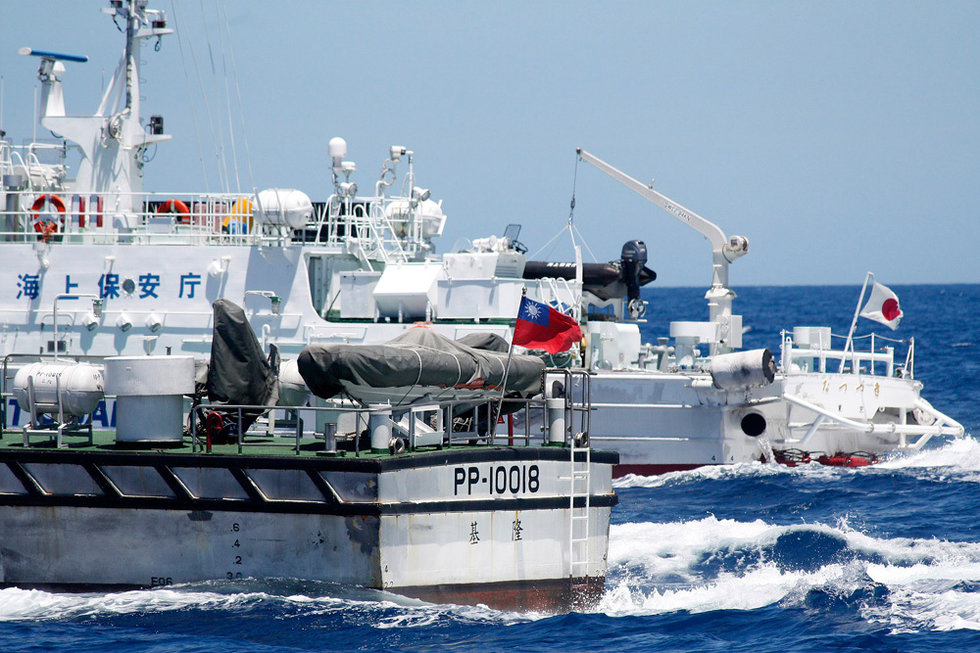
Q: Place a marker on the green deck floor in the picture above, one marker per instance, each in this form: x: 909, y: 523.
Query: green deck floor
x: 258, y: 444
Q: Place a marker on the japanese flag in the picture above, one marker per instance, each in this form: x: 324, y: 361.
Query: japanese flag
x: 883, y: 306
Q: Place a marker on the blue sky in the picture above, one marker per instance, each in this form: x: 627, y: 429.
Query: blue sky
x: 839, y: 137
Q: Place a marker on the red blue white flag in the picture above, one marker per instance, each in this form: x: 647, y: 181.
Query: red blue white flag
x: 883, y: 306
x: 541, y: 327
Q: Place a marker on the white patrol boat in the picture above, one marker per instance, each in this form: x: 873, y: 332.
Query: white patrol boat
x: 110, y: 307
x: 694, y: 399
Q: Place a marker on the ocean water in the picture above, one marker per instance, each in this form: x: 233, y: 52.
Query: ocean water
x: 744, y: 558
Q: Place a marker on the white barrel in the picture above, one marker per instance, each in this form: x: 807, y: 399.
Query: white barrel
x: 149, y: 396
x: 80, y: 386
x: 743, y: 369
x: 287, y: 207
x: 379, y: 425
x: 556, y: 419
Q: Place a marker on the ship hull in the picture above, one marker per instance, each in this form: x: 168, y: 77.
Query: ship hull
x: 665, y: 422
x: 87, y: 520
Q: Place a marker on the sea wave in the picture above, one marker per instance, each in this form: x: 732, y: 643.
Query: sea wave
x: 385, y: 611
x: 17, y: 604
x: 907, y: 584
x: 957, y: 459
x: 734, y: 471
x: 957, y: 455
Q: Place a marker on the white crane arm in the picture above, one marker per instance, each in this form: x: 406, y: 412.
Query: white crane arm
x: 708, y: 229
x: 724, y: 249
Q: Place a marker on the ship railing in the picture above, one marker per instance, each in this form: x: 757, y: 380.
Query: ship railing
x: 31, y: 213
x: 395, y: 429
x: 564, y: 293
x: 423, y: 424
x: 53, y: 216
x: 929, y: 423
x: 796, y: 358
x: 368, y: 228
x: 25, y: 161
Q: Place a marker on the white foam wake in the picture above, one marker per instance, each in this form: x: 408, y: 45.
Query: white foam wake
x: 761, y: 586
x: 656, y: 568
x: 388, y: 611
x: 17, y: 604
x: 958, y: 459
x: 959, y: 455
x: 725, y: 473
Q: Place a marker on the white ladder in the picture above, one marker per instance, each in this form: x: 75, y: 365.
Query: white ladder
x: 578, y: 522
x: 578, y: 413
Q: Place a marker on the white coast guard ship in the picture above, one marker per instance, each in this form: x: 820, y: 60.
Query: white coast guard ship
x: 106, y: 311
x: 694, y: 399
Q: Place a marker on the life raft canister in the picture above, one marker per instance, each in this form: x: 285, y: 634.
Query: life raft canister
x: 46, y: 226
x: 175, y: 207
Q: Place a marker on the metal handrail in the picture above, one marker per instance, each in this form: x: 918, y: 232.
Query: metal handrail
x: 450, y: 437
x: 362, y: 226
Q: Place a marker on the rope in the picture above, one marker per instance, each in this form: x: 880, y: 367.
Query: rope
x: 227, y: 94
x: 183, y: 59
x: 419, y: 357
x: 571, y: 205
x: 415, y: 350
x: 238, y: 92
x: 900, y: 341
x: 459, y: 366
x: 215, y: 138
x: 570, y: 225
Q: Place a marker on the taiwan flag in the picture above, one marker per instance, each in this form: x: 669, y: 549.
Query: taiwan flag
x: 883, y: 306
x: 541, y: 327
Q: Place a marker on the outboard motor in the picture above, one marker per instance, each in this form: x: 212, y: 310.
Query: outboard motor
x: 635, y: 274
x: 634, y: 259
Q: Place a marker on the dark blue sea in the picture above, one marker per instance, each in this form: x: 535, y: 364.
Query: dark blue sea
x: 745, y: 558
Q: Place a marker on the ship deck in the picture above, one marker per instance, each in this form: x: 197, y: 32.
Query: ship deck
x: 264, y: 445
x: 284, y: 448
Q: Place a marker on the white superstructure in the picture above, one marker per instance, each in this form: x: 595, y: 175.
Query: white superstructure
x: 96, y: 266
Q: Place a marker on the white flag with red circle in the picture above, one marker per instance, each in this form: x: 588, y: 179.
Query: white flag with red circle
x: 883, y: 306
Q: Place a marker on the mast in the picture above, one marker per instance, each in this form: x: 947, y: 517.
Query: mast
x: 112, y: 140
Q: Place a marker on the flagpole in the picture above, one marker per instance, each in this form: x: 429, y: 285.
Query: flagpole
x: 857, y: 311
x: 503, y: 383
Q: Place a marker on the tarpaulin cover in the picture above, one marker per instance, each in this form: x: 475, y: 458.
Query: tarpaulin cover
x: 239, y: 372
x: 419, y: 357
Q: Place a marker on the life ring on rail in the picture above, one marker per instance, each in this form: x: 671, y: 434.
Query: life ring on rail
x: 239, y: 220
x: 176, y: 207
x: 46, y: 226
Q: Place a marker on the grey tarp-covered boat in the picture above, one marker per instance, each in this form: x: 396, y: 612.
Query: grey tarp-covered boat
x: 418, y: 361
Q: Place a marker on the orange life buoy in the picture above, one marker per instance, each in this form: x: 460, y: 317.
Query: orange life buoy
x: 45, y: 226
x: 178, y: 207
